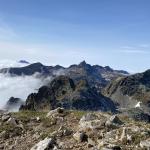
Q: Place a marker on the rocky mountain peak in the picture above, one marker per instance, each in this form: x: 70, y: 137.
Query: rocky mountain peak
x: 83, y: 63
x: 62, y: 91
x: 108, y: 68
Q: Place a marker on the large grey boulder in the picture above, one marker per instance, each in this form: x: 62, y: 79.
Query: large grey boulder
x: 113, y: 122
x: 12, y: 121
x: 92, y: 121
x: 80, y: 136
x: 58, y: 112
x: 145, y: 144
x: 5, y: 117
x: 47, y: 143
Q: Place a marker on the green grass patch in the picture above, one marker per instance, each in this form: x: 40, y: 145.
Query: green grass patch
x: 25, y: 116
x: 79, y: 114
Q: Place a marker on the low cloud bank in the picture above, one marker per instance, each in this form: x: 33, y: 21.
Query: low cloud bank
x: 18, y: 86
x: 10, y: 63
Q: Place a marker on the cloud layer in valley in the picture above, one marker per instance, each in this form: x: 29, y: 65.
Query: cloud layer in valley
x: 17, y: 86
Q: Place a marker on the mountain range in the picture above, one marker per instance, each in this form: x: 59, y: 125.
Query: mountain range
x: 74, y: 87
x: 96, y: 75
x: 85, y: 86
x: 80, y: 107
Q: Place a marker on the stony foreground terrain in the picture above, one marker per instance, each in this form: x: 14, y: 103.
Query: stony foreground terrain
x: 72, y: 130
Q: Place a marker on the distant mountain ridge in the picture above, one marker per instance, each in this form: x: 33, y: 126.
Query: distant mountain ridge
x: 96, y: 75
x: 74, y: 87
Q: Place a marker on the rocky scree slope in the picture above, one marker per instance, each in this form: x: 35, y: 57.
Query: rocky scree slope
x: 60, y: 129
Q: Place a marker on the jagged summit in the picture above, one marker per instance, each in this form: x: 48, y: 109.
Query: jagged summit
x: 108, y: 68
x: 83, y: 63
x: 64, y: 92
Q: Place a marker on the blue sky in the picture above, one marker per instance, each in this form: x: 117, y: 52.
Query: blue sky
x: 104, y: 32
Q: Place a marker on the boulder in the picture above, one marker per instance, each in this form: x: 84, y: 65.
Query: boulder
x: 12, y: 121
x: 91, y: 143
x: 88, y: 117
x: 123, y: 135
x: 38, y: 119
x: 5, y: 117
x: 113, y: 122
x: 92, y: 121
x: 59, y: 112
x: 105, y: 145
x: 3, y: 134
x: 47, y: 143
x: 145, y: 144
x: 80, y: 136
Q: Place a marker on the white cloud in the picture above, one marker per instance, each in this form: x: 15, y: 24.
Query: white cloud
x: 44, y: 53
x: 10, y: 63
x: 27, y: 84
x: 139, y: 49
x: 135, y: 51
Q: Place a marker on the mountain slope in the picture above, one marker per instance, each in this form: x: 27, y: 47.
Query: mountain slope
x: 130, y: 90
x: 63, y: 92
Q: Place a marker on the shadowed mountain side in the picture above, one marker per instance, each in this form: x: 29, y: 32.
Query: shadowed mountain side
x: 63, y: 92
x: 130, y: 90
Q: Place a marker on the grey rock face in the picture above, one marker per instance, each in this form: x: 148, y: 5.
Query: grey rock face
x: 113, y: 122
x: 47, y: 143
x: 5, y: 117
x: 137, y: 114
x: 145, y: 144
x: 80, y: 136
x: 130, y: 90
x: 13, y: 104
x: 58, y: 112
x: 63, y: 92
x: 92, y: 121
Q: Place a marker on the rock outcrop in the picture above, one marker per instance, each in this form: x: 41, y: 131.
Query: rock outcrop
x: 137, y: 114
x: 129, y: 91
x: 47, y: 143
x: 13, y: 104
x: 64, y: 92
